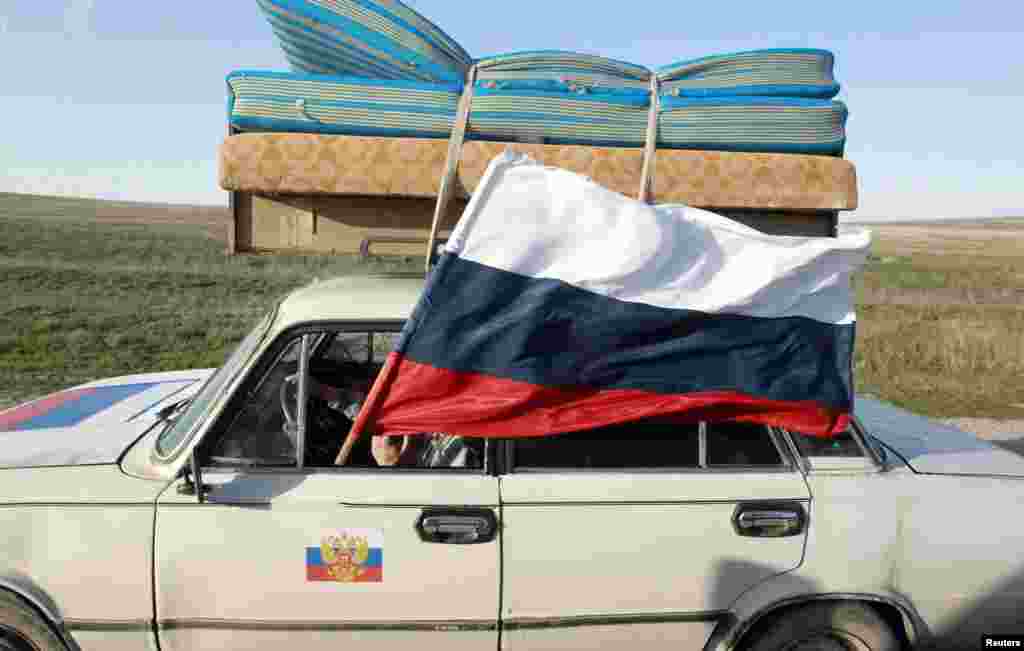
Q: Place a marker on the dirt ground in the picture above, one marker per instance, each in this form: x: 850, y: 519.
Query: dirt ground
x: 990, y: 428
x: 995, y: 238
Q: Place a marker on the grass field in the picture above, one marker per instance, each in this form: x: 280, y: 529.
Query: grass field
x: 94, y: 289
x: 941, y: 318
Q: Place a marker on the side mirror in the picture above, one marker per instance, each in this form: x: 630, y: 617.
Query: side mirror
x: 192, y: 477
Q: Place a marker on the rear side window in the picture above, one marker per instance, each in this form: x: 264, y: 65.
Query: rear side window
x: 652, y: 444
x: 644, y: 444
x: 741, y: 444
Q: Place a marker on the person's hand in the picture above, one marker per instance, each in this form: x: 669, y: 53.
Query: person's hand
x: 387, y: 450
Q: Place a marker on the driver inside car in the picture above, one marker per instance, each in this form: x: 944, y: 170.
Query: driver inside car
x: 432, y: 450
x: 427, y: 450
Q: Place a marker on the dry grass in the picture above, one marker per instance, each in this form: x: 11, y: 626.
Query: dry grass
x: 941, y: 318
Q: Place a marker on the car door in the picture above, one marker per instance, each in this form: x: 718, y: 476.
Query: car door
x: 643, y: 534
x: 278, y: 553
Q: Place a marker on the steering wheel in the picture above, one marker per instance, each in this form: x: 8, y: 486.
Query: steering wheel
x: 323, y: 423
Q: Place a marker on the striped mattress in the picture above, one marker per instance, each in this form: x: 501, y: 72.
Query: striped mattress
x: 385, y: 39
x: 523, y: 110
x: 377, y: 39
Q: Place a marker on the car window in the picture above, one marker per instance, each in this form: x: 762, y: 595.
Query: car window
x: 172, y: 438
x: 264, y: 429
x: 361, y: 346
x: 643, y: 444
x: 839, y: 445
x: 653, y: 443
x: 342, y: 368
x: 258, y: 433
x: 740, y: 444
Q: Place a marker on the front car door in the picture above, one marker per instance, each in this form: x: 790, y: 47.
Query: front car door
x: 314, y: 556
x: 643, y: 534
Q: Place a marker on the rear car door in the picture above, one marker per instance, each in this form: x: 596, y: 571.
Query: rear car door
x: 279, y: 553
x: 643, y: 534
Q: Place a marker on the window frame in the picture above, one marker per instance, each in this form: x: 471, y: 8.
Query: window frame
x: 787, y: 463
x: 256, y: 374
x: 275, y: 354
x: 869, y: 456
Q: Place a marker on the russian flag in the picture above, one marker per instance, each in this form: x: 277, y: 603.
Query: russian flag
x: 559, y: 305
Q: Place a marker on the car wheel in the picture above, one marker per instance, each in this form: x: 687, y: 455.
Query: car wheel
x: 21, y: 629
x: 827, y: 626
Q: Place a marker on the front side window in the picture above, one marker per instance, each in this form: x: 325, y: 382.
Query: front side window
x: 263, y: 430
x: 260, y: 433
x: 171, y: 438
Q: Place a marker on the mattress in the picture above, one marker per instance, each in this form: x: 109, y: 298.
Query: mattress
x: 377, y: 39
x: 292, y: 102
x: 386, y: 39
x: 775, y: 72
x: 313, y: 164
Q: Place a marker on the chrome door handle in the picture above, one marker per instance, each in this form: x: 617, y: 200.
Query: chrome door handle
x: 457, y: 526
x: 769, y: 520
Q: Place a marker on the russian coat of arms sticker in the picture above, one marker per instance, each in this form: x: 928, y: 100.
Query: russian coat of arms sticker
x: 347, y: 556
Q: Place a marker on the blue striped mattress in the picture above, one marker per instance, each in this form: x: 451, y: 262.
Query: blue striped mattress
x: 516, y: 112
x: 385, y: 39
x: 377, y: 39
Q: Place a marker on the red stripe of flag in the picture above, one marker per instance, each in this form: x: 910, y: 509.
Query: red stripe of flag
x: 370, y: 575
x: 423, y: 398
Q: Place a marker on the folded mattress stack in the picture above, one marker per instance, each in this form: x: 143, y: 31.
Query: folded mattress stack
x: 558, y: 103
x: 370, y: 75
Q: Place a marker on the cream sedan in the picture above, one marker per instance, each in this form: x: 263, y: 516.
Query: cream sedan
x: 203, y: 510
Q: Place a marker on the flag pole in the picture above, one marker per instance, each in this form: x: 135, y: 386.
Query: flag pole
x: 369, y: 406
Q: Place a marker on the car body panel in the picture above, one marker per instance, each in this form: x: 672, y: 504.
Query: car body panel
x: 91, y: 423
x: 80, y: 530
x: 657, y: 549
x: 108, y: 639
x: 931, y: 447
x: 853, y: 545
x: 943, y: 549
x: 962, y: 559
x: 631, y: 634
x: 231, y: 572
x: 353, y: 298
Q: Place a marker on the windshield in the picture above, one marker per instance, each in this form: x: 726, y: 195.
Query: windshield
x: 181, y: 425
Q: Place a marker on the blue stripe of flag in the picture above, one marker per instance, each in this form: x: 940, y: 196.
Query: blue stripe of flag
x: 374, y: 559
x: 85, y: 407
x: 475, y: 318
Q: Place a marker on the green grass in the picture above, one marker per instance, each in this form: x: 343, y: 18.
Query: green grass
x: 84, y: 300
x: 94, y: 289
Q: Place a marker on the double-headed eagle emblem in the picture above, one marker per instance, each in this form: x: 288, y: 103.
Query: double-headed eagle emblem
x: 344, y: 556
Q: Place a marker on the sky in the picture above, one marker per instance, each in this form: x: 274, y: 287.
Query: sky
x: 121, y: 99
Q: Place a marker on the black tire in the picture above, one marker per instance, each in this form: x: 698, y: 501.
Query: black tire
x: 21, y: 629
x: 825, y: 626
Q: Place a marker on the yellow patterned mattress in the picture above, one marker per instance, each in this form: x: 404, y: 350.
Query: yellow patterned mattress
x: 313, y: 164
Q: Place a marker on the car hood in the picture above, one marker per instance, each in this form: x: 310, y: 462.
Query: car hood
x: 90, y: 424
x: 932, y: 447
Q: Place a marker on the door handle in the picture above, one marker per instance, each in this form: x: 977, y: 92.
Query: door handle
x: 764, y: 520
x: 457, y: 526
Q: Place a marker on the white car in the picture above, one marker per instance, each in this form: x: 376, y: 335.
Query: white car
x: 203, y: 510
